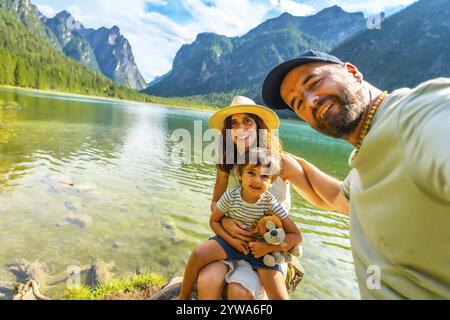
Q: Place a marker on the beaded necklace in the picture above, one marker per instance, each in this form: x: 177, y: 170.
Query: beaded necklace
x: 367, y: 125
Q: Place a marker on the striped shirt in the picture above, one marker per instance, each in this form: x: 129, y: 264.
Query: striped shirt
x: 232, y: 205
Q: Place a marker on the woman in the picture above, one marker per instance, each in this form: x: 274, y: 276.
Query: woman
x: 247, y: 125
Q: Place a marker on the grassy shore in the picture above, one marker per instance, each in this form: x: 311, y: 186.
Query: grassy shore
x: 179, y: 103
x: 138, y: 287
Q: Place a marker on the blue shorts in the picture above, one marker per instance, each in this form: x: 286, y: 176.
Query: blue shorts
x: 233, y: 254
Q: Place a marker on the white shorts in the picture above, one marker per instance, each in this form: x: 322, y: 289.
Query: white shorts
x: 241, y: 272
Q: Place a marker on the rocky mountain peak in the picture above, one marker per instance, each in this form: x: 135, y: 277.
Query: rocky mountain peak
x: 115, y: 30
x: 104, y: 50
x: 215, y: 63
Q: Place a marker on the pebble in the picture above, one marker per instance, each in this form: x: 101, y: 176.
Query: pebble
x: 81, y: 221
x: 164, y: 262
x: 117, y: 245
x: 69, y: 206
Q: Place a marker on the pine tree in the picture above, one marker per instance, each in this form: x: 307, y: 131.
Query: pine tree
x: 20, y: 74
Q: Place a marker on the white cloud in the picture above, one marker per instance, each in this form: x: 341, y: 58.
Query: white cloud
x: 75, y: 11
x: 293, y: 7
x: 158, y: 2
x: 368, y: 7
x: 156, y: 38
x: 46, y: 10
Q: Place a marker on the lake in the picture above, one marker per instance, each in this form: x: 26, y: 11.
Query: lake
x: 85, y: 178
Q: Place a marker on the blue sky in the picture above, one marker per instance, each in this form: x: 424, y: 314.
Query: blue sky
x: 156, y: 29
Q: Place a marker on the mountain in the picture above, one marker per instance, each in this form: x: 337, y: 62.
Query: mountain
x: 216, y: 63
x: 115, y: 56
x: 29, y: 15
x: 28, y: 59
x: 73, y: 44
x: 412, y: 46
x: 104, y: 50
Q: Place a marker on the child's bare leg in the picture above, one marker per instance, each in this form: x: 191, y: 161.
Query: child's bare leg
x: 203, y: 255
x: 274, y: 284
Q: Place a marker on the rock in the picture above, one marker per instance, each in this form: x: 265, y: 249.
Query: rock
x: 172, y: 232
x: 52, y: 189
x: 116, y: 244
x: 24, y: 270
x: 69, y: 206
x: 9, y: 105
x: 80, y: 220
x: 61, y: 224
x: 6, y: 291
x: 172, y: 290
x: 164, y: 262
x: 102, y: 272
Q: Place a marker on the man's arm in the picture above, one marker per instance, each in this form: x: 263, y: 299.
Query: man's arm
x: 326, y: 188
x: 294, y: 173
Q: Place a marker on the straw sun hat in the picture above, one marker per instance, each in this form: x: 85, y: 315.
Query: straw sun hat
x: 244, y: 105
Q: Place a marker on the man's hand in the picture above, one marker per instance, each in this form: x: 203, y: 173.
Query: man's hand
x: 240, y: 246
x: 259, y: 248
x: 237, y: 229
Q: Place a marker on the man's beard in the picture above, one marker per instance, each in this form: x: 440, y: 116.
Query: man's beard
x: 352, y: 106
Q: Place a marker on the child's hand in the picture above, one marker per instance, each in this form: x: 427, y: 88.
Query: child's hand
x: 259, y: 249
x: 240, y: 246
x: 237, y: 229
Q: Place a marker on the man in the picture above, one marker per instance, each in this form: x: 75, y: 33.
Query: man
x: 398, y: 191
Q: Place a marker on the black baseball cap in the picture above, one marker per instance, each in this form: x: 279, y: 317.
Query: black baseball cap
x: 271, y: 87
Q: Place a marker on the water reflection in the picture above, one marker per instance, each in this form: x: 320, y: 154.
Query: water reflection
x: 83, y: 178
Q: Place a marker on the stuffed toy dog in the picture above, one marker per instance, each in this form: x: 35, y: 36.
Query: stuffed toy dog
x: 271, y: 229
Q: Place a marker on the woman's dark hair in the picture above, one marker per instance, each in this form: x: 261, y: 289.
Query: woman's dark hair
x: 269, y: 141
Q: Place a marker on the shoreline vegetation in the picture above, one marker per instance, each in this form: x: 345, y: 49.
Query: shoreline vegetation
x: 138, y: 287
x: 184, y: 103
x: 178, y: 103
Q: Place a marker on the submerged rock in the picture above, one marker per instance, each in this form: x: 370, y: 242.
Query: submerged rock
x: 9, y: 105
x: 80, y: 220
x: 24, y: 270
x: 172, y: 232
x: 117, y: 245
x: 164, y: 262
x: 6, y: 290
x: 69, y: 206
x: 101, y: 273
x: 61, y: 224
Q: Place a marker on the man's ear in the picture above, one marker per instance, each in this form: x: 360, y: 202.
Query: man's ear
x: 354, y: 71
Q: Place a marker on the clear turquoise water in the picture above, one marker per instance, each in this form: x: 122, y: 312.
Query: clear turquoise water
x: 110, y: 163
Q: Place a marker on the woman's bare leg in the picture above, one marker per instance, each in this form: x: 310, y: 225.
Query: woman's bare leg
x: 274, y: 284
x: 211, y: 281
x: 238, y: 292
x: 203, y: 255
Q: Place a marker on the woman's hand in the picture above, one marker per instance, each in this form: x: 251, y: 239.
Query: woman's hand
x: 237, y: 229
x: 259, y: 248
x: 240, y: 246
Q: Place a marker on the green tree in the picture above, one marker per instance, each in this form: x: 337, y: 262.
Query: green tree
x: 21, y: 74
